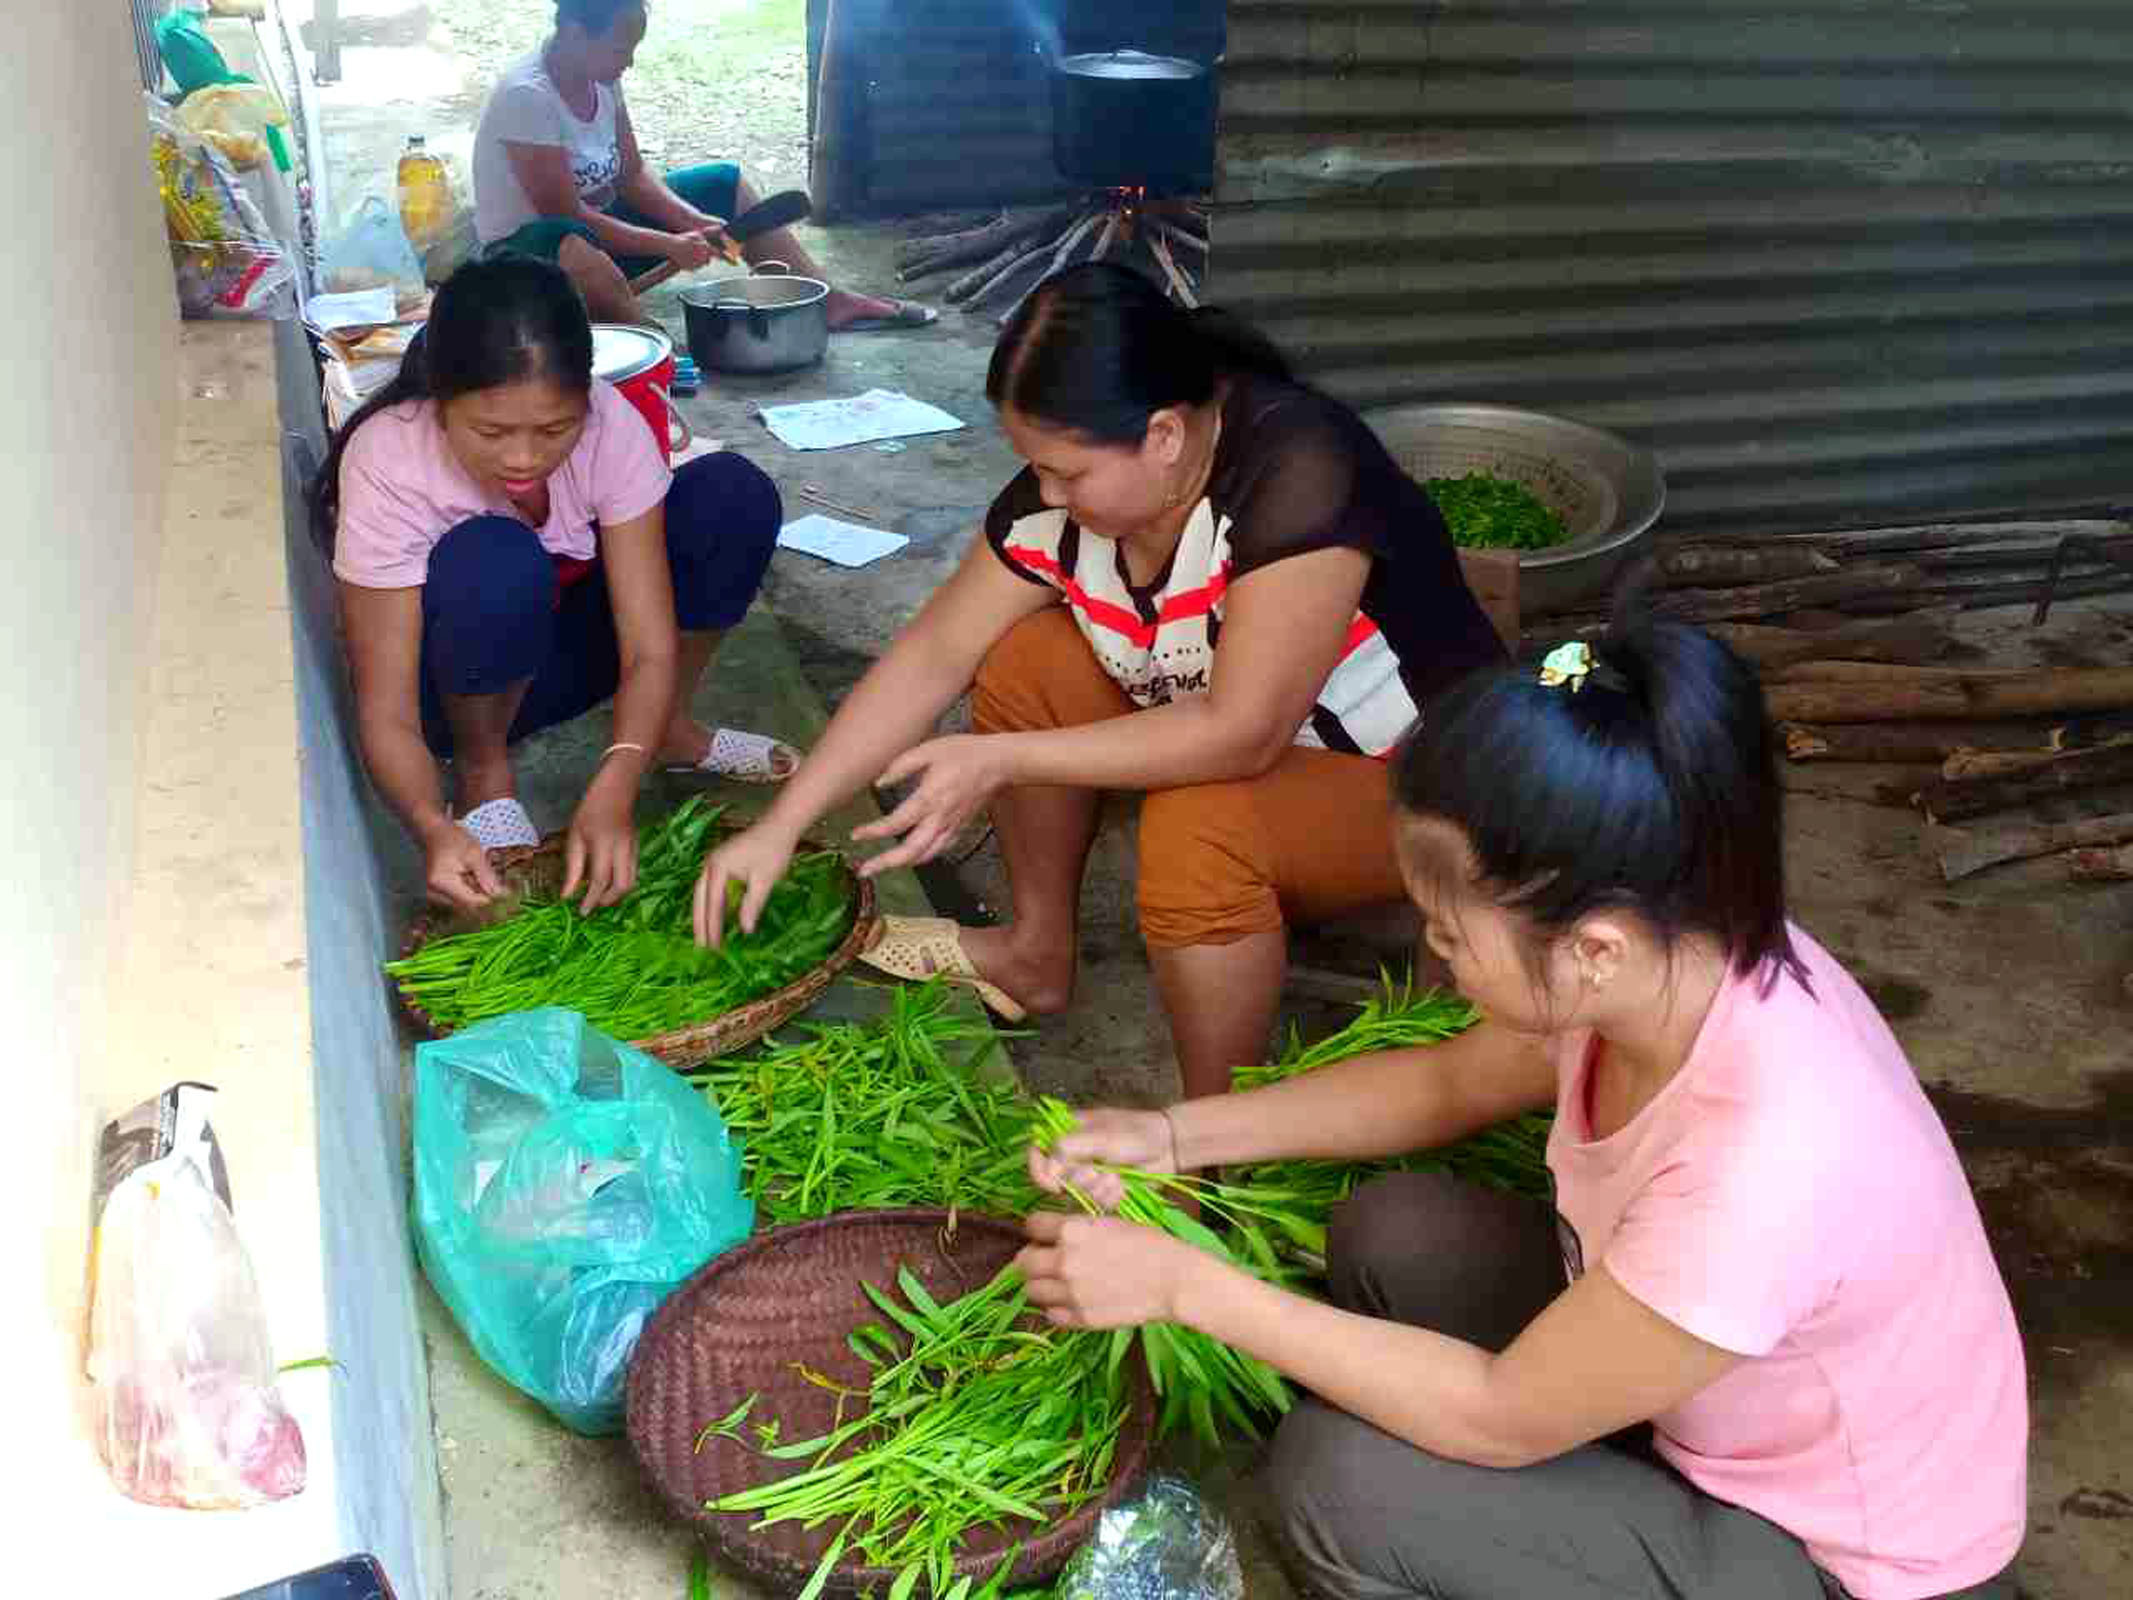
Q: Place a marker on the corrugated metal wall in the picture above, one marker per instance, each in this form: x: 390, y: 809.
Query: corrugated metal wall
x: 956, y: 107
x: 1835, y: 259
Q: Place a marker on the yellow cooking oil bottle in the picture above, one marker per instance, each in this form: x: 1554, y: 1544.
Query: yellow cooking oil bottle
x: 426, y: 207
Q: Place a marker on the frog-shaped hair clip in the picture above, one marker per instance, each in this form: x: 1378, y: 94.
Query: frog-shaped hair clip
x: 1569, y: 664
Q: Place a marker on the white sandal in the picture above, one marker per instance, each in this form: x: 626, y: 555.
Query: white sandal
x: 742, y: 757
x: 501, y: 825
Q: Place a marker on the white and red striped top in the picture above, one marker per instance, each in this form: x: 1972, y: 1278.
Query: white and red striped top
x: 1293, y: 472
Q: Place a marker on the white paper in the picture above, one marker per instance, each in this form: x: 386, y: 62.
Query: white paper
x: 364, y: 308
x: 846, y: 543
x: 877, y: 414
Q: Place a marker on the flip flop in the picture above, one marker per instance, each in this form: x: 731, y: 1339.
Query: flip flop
x: 919, y: 948
x: 742, y: 757
x: 500, y: 825
x: 908, y: 314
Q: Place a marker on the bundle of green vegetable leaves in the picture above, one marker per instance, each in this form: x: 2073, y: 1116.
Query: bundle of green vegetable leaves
x: 973, y: 1415
x: 634, y: 968
x: 894, y: 1113
x: 1511, y: 1155
x: 1485, y: 512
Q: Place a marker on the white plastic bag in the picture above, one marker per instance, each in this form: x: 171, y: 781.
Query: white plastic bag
x: 372, y: 252
x: 187, y: 1411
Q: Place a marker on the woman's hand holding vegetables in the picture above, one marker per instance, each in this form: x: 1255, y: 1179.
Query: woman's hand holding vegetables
x: 1081, y: 1160
x: 1100, y: 1272
x: 457, y: 867
x: 957, y: 776
x: 600, y: 852
x: 755, y: 860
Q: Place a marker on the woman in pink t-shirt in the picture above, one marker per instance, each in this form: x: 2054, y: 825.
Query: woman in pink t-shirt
x: 1759, y: 1349
x: 512, y: 551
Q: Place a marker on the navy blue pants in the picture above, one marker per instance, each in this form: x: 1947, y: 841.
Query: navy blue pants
x: 492, y: 617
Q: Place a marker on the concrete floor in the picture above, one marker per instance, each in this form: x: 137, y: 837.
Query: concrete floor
x: 2007, y: 990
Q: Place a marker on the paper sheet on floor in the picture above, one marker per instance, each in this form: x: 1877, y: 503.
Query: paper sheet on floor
x: 846, y: 543
x: 877, y: 414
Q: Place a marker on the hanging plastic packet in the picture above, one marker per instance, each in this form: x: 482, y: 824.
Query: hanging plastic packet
x: 1166, y: 1543
x: 226, y: 259
x: 187, y: 1412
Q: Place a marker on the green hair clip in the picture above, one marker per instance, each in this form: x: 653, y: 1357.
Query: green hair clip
x: 1570, y: 663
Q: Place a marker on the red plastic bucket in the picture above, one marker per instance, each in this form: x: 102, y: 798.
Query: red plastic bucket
x: 640, y: 362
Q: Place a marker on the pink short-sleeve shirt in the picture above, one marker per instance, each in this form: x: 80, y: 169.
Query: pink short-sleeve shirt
x: 402, y: 490
x: 1791, y: 1196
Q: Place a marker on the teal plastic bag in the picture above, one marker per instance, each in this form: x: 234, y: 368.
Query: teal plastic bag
x: 565, y: 1185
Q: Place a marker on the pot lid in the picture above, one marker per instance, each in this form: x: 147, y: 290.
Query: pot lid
x: 621, y: 352
x: 1130, y: 64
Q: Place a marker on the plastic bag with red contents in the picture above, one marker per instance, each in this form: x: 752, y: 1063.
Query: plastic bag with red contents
x: 187, y: 1411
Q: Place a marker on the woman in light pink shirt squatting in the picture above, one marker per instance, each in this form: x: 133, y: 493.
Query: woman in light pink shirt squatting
x: 1758, y: 1350
x: 513, y: 551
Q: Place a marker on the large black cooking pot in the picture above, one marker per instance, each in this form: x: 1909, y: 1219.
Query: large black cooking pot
x: 1121, y: 118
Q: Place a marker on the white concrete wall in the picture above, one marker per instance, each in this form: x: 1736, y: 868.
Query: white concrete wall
x: 155, y: 923
x: 88, y: 364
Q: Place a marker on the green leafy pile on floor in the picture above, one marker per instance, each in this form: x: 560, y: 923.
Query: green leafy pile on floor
x: 853, y: 1116
x: 897, y: 1113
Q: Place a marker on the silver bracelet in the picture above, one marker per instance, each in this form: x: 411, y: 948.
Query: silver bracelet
x: 624, y: 745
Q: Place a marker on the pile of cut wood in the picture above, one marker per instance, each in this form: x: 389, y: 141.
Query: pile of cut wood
x: 1858, y: 672
x: 1007, y: 255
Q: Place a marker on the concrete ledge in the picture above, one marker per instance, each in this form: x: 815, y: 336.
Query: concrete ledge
x: 210, y: 973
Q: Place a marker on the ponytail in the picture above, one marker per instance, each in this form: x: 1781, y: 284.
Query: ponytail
x: 1100, y: 349
x: 1650, y: 788
x: 503, y: 320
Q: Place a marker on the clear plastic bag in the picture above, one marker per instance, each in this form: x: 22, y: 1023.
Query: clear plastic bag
x: 227, y: 260
x: 242, y: 120
x: 1165, y: 1543
x: 565, y: 1185
x: 187, y: 1409
x: 372, y: 252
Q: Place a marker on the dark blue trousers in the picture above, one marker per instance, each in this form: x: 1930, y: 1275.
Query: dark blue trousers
x: 492, y: 616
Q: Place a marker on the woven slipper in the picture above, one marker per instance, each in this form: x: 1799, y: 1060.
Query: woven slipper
x: 742, y: 757
x: 919, y: 948
x: 908, y: 314
x: 501, y: 825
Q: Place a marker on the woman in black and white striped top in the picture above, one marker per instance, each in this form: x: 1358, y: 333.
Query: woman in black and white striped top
x: 1210, y: 585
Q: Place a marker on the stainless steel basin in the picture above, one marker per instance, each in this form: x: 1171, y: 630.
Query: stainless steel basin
x: 1608, y: 491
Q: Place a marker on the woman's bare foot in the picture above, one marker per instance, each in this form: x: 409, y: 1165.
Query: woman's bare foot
x: 1042, y: 980
x: 846, y: 308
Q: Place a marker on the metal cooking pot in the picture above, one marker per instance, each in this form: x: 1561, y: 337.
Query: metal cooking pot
x: 1122, y: 118
x: 769, y: 321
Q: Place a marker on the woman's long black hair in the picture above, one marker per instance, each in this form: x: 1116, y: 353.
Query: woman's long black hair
x: 1100, y: 349
x: 493, y: 322
x: 1652, y: 789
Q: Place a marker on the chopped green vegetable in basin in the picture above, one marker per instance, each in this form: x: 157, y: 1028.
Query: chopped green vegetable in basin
x: 1486, y: 512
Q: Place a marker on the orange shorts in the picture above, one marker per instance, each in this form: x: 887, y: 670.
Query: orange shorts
x: 1307, y: 840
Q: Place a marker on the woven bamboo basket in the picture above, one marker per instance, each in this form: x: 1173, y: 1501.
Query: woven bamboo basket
x: 789, y: 1298
x: 539, y: 868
